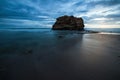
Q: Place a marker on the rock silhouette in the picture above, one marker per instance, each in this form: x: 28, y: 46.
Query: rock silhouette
x: 68, y: 23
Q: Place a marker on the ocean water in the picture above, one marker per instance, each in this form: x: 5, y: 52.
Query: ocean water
x: 109, y: 30
x: 44, y: 54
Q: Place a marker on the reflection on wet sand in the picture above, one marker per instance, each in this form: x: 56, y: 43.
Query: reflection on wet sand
x: 59, y: 56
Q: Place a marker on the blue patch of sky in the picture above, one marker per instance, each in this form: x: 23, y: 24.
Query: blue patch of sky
x: 96, y: 13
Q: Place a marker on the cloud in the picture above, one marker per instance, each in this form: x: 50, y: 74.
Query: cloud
x: 21, y: 23
x: 44, y: 12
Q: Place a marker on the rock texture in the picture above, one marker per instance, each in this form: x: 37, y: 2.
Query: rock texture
x: 68, y: 23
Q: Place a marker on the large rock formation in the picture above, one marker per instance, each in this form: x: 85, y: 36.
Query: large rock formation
x: 68, y: 23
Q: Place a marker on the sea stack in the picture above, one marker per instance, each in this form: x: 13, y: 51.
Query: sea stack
x: 68, y: 23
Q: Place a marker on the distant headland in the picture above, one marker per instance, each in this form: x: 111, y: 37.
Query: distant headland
x: 68, y: 23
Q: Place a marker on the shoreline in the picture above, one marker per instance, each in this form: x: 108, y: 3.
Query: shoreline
x: 59, y: 56
x: 49, y: 30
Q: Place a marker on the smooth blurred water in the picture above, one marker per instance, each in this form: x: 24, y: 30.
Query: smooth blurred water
x: 44, y: 54
x: 111, y: 30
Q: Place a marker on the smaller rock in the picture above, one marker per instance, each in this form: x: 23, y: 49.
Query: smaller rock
x: 30, y: 51
x: 60, y: 36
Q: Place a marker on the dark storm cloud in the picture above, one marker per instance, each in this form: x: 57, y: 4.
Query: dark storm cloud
x: 45, y: 11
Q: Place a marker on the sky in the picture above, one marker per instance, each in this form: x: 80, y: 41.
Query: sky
x: 43, y: 13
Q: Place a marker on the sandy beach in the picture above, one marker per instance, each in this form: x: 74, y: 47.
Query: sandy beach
x: 59, y: 55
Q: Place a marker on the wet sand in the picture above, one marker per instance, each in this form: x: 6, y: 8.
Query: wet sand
x: 59, y: 56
